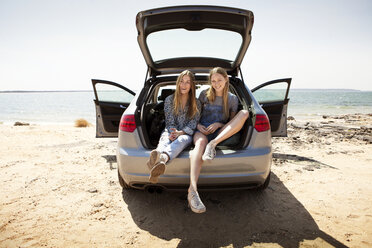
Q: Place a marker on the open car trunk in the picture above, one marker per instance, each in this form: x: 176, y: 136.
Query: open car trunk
x: 152, y: 116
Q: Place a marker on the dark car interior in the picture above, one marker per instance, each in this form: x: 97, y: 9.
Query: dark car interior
x: 155, y: 120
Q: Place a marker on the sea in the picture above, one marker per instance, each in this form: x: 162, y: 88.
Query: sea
x: 64, y: 107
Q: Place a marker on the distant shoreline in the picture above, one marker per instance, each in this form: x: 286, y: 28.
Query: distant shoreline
x: 60, y: 91
x: 43, y: 91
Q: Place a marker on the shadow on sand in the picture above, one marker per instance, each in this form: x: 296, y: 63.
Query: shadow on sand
x: 237, y: 218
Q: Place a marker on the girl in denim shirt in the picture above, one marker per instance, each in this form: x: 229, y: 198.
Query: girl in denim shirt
x: 182, y: 113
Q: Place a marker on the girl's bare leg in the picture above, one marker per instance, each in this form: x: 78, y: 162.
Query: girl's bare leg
x: 196, y: 162
x: 232, y: 127
x: 200, y: 141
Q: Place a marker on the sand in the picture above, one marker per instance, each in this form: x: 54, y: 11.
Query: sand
x: 59, y: 188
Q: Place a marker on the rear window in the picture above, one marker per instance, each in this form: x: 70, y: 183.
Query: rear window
x: 166, y: 89
x: 176, y: 43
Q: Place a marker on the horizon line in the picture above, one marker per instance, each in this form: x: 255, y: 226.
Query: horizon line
x: 51, y: 91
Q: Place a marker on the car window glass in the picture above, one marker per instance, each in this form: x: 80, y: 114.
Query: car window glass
x: 208, y: 42
x: 200, y: 88
x: 111, y: 93
x: 272, y: 92
x: 165, y: 91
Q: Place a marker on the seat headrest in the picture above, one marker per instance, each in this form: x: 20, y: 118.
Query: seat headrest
x: 165, y: 93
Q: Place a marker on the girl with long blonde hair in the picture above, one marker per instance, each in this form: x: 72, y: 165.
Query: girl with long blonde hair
x: 182, y: 113
x: 219, y: 120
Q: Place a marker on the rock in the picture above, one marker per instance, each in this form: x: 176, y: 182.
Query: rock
x: 368, y: 139
x: 93, y: 190
x: 103, y: 217
x: 295, y: 125
x: 367, y: 129
x: 98, y: 205
x: 21, y: 123
x: 290, y: 118
x: 314, y: 125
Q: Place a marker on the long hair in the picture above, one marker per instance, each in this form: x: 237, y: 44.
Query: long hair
x: 193, y: 109
x: 211, y: 93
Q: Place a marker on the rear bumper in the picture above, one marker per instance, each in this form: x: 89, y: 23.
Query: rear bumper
x: 231, y: 169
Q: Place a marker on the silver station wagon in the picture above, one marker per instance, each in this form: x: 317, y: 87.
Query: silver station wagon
x: 196, y: 38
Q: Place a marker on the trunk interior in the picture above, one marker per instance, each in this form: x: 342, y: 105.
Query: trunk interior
x: 152, y: 112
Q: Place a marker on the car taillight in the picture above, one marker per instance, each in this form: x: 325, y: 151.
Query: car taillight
x: 127, y: 123
x: 262, y: 123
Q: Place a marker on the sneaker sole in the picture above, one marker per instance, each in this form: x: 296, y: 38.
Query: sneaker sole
x: 197, y: 211
x: 206, y: 159
x: 154, y: 156
x: 156, y: 171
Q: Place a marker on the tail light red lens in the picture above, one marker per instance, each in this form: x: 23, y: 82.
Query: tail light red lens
x: 127, y: 123
x: 262, y: 123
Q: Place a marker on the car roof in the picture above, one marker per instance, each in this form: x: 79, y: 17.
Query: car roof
x: 194, y: 18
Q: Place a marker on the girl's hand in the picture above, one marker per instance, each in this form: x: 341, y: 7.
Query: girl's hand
x: 213, y: 127
x: 202, y: 129
x: 175, y: 134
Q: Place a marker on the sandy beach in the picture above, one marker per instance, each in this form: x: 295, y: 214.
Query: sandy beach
x: 59, y: 188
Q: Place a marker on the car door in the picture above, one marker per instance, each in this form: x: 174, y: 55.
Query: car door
x: 111, y: 100
x: 273, y: 98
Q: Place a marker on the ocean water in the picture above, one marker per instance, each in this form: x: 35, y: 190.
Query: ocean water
x: 315, y: 103
x: 47, y: 107
x: 66, y: 107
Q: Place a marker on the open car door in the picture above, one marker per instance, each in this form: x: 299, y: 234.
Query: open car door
x: 273, y: 98
x: 111, y: 100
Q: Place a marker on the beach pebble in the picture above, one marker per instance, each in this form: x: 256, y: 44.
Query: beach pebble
x: 92, y: 190
x: 98, y: 205
x: 103, y: 217
x: 295, y: 125
x: 368, y: 139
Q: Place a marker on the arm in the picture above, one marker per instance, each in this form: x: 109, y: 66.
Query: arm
x: 170, y: 122
x: 233, y: 102
x: 191, y: 124
x: 203, y: 100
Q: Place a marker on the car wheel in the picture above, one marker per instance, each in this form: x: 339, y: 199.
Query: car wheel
x: 123, y: 184
x: 265, y: 184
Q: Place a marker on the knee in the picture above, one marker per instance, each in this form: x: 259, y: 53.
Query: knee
x: 184, y: 138
x: 201, y: 143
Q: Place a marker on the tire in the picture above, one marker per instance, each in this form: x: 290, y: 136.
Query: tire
x: 265, y: 184
x: 122, y: 183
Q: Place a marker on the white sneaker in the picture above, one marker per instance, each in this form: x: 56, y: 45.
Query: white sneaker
x: 163, y: 158
x: 209, y: 153
x: 195, y: 203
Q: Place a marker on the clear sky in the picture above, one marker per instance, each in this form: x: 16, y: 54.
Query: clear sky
x: 61, y: 45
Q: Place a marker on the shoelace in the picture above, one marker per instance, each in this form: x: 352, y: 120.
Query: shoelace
x: 211, y: 152
x: 195, y: 198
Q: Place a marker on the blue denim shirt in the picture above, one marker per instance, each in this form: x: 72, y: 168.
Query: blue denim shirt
x: 213, y: 112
